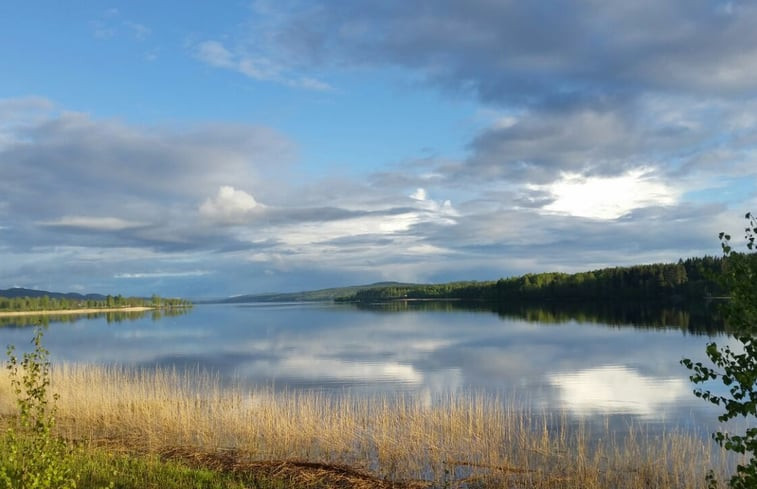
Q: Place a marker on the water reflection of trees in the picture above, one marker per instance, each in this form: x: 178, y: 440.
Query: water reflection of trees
x: 111, y: 317
x: 702, y: 318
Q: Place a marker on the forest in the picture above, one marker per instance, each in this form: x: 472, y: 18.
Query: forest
x: 47, y: 303
x: 690, y: 279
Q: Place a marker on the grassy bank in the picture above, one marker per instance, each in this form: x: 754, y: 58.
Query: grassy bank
x: 98, y: 468
x: 478, y: 440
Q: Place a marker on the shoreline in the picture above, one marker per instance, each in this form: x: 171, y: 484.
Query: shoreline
x: 95, y: 310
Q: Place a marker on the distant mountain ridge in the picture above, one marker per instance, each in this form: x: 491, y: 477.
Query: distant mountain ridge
x: 22, y: 292
x: 310, y: 295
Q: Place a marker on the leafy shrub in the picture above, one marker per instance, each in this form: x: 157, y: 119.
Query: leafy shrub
x: 736, y: 368
x: 34, y: 458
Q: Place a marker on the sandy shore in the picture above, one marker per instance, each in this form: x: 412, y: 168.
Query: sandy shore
x: 76, y: 311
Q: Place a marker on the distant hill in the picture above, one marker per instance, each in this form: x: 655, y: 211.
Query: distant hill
x: 22, y: 292
x: 311, y: 295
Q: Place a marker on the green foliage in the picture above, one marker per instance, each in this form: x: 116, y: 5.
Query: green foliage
x: 34, y: 458
x: 99, y: 468
x: 736, y: 368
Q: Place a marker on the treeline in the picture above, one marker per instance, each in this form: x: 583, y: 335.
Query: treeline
x: 47, y: 303
x: 693, y: 278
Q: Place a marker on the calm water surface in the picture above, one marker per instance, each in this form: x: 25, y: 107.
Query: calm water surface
x: 612, y: 364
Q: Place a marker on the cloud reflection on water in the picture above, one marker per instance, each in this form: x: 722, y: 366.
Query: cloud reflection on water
x: 329, y: 370
x: 583, y: 367
x: 617, y: 389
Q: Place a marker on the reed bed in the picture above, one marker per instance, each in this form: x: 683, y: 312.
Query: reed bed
x: 469, y: 440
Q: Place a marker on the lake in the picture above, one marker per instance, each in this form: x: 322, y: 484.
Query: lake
x: 610, y: 363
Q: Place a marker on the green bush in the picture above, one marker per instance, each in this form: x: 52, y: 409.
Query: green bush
x: 34, y: 458
x: 736, y: 367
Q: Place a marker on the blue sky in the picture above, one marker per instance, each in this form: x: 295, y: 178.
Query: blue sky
x: 209, y: 149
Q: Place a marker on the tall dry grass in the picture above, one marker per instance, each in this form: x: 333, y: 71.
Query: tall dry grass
x: 461, y: 439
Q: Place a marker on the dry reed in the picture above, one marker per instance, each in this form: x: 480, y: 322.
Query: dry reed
x: 471, y: 440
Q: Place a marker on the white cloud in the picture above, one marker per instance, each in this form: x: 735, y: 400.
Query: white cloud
x: 152, y: 54
x: 313, y: 84
x: 140, y: 31
x: 93, y: 223
x: 214, y: 54
x: 191, y: 273
x: 396, y: 228
x: 229, y: 205
x: 24, y: 108
x: 257, y: 67
x: 419, y: 194
x: 439, y: 212
x: 425, y: 249
x: 16, y: 113
x: 607, y: 197
x: 376, y: 233
x: 309, y: 233
x: 101, y: 30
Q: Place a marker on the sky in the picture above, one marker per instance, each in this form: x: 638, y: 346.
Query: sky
x: 208, y: 149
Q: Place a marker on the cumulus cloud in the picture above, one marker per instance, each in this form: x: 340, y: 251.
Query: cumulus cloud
x: 610, y: 197
x: 594, y: 88
x: 132, y: 194
x: 537, y: 146
x: 229, y: 205
x: 70, y: 164
x: 419, y: 194
x: 439, y: 212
